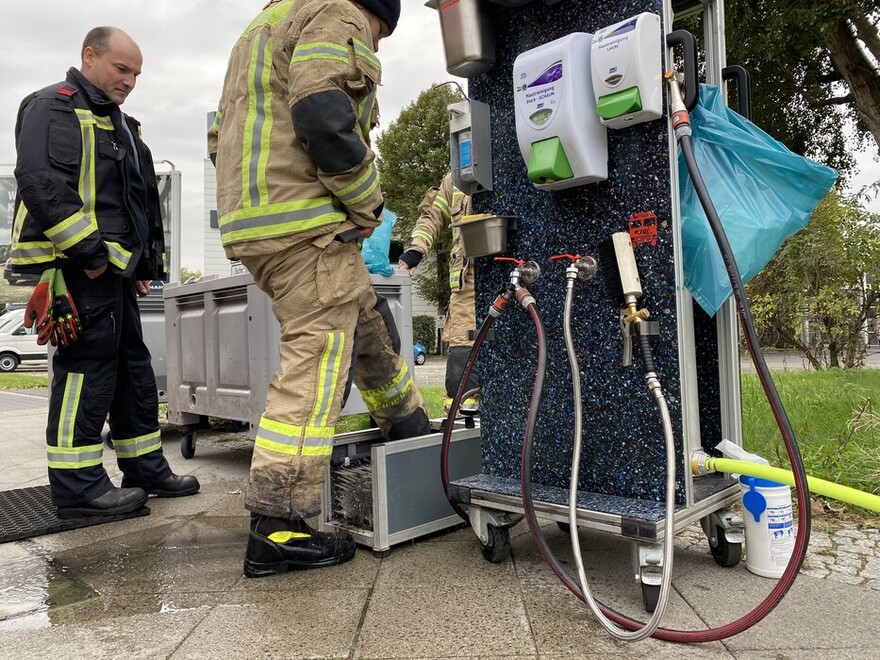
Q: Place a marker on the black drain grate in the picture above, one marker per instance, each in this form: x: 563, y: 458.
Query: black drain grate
x: 28, y: 512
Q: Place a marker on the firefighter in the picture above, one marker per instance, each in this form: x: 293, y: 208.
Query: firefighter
x: 297, y: 188
x: 440, y: 208
x: 89, y: 220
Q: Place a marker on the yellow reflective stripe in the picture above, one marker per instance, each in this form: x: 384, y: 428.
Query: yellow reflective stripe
x: 69, y: 405
x: 293, y: 440
x: 365, y: 110
x: 218, y: 122
x: 87, y: 118
x: 328, y: 377
x: 390, y: 393
x: 278, y: 219
x: 454, y: 279
x: 362, y: 188
x: 269, y: 16
x: 33, y: 252
x: 88, y: 162
x: 72, y: 458
x: 284, y: 537
x: 424, y: 235
x: 258, y: 124
x: 134, y: 447
x: 443, y: 205
x: 117, y: 255
x: 366, y: 52
x: 320, y: 50
x: 72, y: 230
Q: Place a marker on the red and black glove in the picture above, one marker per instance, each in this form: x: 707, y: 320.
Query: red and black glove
x: 39, y: 308
x: 67, y: 324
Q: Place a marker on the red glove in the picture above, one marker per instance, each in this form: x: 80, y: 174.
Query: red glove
x: 39, y: 306
x: 64, y: 313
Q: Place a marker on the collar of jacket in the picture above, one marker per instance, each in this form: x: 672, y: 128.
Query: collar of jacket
x: 96, y: 97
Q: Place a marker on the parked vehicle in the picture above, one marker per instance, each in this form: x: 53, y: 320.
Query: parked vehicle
x: 24, y: 279
x: 420, y: 353
x: 17, y: 343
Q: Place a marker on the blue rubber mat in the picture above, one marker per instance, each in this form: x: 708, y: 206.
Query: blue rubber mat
x: 29, y: 512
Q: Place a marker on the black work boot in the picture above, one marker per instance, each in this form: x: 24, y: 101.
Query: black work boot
x: 413, y: 426
x: 276, y: 546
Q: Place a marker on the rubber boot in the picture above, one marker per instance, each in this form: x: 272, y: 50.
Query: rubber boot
x: 276, y: 545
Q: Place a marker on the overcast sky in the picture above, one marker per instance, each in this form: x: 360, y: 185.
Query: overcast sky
x: 186, y: 44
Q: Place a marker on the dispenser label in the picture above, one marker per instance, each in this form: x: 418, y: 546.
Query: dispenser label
x: 539, y: 97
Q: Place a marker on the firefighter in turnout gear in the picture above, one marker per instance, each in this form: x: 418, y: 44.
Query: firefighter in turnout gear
x: 440, y: 208
x: 89, y: 220
x: 297, y: 188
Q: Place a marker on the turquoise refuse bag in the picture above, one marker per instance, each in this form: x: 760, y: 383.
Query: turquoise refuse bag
x: 375, y: 248
x: 763, y: 193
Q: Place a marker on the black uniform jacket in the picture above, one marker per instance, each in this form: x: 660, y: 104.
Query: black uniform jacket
x: 82, y: 206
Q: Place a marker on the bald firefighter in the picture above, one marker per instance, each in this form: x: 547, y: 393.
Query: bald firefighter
x: 297, y: 189
x: 440, y: 208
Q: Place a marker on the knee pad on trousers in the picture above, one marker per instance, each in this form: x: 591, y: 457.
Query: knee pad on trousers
x: 456, y: 361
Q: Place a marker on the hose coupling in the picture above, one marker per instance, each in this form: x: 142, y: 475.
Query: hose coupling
x: 680, y: 118
x: 699, y: 466
x: 524, y: 297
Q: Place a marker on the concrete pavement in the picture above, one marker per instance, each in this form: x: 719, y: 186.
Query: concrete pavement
x: 169, y: 585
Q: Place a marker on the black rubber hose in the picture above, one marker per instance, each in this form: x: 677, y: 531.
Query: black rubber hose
x: 645, y: 353
x: 454, y: 407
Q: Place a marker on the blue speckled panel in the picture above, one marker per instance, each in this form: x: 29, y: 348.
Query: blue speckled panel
x: 623, y: 441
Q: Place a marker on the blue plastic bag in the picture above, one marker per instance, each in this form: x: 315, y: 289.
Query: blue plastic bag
x: 763, y: 193
x: 375, y: 248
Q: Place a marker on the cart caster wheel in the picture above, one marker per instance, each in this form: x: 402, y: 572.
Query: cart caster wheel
x: 497, y: 549
x: 188, y: 445
x: 108, y: 440
x: 650, y: 596
x: 238, y: 427
x: 725, y: 554
x: 381, y: 554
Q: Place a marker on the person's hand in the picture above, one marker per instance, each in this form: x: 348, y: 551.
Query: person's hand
x: 65, y: 316
x: 366, y: 232
x: 142, y: 288
x: 92, y: 273
x: 409, y: 261
x: 39, y: 307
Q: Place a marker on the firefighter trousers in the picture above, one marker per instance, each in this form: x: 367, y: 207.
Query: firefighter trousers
x: 322, y: 296
x: 106, y: 373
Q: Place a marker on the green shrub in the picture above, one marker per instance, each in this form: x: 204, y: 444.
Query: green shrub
x: 425, y: 332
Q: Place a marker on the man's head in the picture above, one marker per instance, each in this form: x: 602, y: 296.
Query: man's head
x: 111, y: 61
x: 382, y: 15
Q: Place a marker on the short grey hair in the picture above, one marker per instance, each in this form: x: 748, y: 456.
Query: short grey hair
x: 98, y: 39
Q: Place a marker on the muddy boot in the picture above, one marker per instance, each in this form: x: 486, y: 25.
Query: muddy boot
x: 276, y: 546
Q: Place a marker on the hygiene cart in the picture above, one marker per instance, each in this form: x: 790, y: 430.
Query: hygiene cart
x: 581, y: 149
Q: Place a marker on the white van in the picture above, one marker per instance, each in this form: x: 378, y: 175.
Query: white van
x: 17, y: 343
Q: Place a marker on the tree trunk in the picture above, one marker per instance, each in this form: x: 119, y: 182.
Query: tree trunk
x: 863, y: 79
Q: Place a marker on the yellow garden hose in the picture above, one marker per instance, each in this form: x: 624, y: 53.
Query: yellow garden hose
x: 702, y: 463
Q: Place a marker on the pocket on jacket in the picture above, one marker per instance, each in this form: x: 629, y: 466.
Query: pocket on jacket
x: 64, y: 145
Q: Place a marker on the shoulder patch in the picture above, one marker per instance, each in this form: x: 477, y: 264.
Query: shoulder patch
x: 66, y: 91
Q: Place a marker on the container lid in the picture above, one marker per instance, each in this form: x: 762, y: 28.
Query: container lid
x: 759, y: 483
